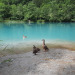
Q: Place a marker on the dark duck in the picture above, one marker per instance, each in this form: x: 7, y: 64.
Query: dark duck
x: 44, y: 46
x: 35, y: 50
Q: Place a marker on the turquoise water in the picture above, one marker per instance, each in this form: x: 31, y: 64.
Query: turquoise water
x: 48, y: 31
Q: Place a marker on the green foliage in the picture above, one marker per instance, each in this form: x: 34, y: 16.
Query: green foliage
x: 19, y: 12
x: 13, y: 11
x: 38, y: 2
x: 8, y: 60
x: 29, y: 11
x: 38, y: 10
x: 10, y: 2
x: 2, y: 10
x: 40, y: 21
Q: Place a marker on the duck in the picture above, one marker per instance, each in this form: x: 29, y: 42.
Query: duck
x: 44, y: 46
x: 35, y: 50
x: 24, y: 37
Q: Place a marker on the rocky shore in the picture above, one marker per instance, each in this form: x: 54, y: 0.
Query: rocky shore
x: 53, y: 62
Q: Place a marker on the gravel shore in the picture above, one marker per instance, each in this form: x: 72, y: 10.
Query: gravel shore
x: 54, y: 62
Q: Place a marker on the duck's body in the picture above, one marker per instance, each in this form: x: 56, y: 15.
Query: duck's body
x: 44, y: 46
x: 35, y: 50
x: 24, y: 37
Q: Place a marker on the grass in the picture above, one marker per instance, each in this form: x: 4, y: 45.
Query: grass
x: 8, y: 60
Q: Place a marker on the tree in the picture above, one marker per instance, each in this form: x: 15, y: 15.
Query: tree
x: 13, y: 12
x: 48, y: 10
x: 38, y: 3
x: 45, y: 12
x: 2, y: 11
x: 19, y: 12
x: 29, y: 11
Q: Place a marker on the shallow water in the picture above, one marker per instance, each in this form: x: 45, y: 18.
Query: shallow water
x: 50, y: 31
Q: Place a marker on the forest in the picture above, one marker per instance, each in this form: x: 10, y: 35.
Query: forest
x: 38, y: 10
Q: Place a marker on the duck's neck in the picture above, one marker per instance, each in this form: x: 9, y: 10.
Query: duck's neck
x: 43, y: 42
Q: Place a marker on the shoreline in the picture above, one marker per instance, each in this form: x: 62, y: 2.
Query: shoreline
x: 23, y: 47
x: 53, y: 62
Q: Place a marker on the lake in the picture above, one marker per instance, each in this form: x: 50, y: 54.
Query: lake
x: 10, y: 32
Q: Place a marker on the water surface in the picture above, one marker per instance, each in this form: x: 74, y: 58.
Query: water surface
x: 50, y: 31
